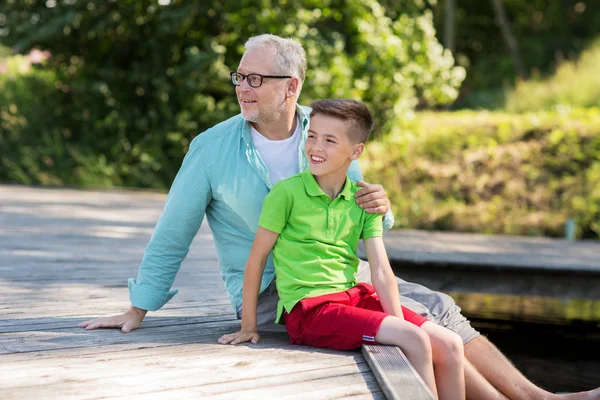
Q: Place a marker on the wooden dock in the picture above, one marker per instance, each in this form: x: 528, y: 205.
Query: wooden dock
x: 65, y: 256
x: 494, y: 251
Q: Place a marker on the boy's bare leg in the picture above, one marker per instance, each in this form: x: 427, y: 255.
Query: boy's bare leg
x: 500, y: 372
x: 415, y: 344
x: 448, y: 361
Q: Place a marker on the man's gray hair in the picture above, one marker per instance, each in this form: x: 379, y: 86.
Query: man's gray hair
x: 290, y: 56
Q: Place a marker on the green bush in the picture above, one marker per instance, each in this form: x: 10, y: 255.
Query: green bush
x: 493, y: 172
x: 575, y: 84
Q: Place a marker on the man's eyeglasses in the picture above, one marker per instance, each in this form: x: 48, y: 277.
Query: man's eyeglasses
x: 254, y: 80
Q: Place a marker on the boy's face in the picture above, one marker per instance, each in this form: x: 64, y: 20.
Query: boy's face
x: 328, y: 147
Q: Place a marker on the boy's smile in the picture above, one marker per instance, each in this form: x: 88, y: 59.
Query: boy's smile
x: 316, y: 159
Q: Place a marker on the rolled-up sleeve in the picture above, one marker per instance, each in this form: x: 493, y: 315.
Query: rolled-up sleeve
x: 147, y: 298
x: 181, y: 218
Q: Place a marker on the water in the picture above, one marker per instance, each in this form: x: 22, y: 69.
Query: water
x: 559, y: 358
x: 546, y: 322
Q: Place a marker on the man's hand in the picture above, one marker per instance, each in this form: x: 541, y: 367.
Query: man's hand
x: 127, y: 321
x: 372, y: 198
x: 244, y: 335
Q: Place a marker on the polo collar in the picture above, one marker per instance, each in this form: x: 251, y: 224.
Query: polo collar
x: 313, y: 188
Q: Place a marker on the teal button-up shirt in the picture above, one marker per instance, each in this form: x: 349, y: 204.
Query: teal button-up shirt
x: 224, y: 177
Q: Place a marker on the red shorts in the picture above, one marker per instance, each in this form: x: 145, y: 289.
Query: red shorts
x: 340, y: 321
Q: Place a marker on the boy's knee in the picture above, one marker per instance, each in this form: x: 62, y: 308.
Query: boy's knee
x: 452, y: 350
x: 422, y: 341
x: 413, y: 340
x: 455, y: 345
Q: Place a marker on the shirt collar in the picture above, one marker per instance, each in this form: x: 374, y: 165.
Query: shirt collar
x: 303, y: 115
x: 313, y: 188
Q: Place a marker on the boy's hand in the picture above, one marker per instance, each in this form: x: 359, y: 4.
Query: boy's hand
x: 127, y: 321
x: 372, y: 198
x: 244, y: 335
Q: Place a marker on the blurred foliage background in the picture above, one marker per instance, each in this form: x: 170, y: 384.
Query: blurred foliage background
x: 493, y: 172
x: 129, y: 83
x: 110, y: 93
x: 548, y: 32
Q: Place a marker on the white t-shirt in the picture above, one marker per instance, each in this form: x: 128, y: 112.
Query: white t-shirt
x: 280, y: 156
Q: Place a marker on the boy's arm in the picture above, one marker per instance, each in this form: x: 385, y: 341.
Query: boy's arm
x: 383, y: 277
x: 261, y: 247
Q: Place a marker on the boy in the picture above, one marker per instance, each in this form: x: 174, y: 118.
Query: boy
x: 313, y: 226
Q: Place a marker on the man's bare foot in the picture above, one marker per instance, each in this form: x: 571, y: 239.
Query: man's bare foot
x: 588, y: 395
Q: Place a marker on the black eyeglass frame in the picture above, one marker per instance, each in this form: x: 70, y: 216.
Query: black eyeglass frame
x: 232, y: 74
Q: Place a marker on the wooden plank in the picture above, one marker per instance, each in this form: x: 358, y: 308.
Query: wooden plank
x: 158, y: 355
x: 397, y: 378
x: 166, y: 317
x: 198, y: 358
x: 492, y: 251
x: 312, y: 386
x: 87, y: 308
x: 22, y: 342
x: 207, y: 376
x: 148, y: 323
x: 274, y: 341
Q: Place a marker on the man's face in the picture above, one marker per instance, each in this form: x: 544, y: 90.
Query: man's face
x: 266, y: 103
x: 328, y: 148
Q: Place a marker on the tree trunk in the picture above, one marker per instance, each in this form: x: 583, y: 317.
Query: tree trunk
x: 449, y: 24
x: 509, y: 38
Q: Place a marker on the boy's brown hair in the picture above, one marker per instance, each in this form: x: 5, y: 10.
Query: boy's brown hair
x: 354, y: 113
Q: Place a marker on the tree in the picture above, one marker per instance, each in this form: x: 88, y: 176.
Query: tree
x: 509, y: 37
x: 136, y: 80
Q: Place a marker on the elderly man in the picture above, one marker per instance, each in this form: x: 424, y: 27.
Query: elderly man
x: 227, y: 173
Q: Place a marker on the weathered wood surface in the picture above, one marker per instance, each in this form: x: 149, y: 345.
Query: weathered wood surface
x: 493, y: 251
x: 397, y: 378
x: 65, y: 256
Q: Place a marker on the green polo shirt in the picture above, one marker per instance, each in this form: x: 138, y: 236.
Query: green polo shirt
x: 315, y: 253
